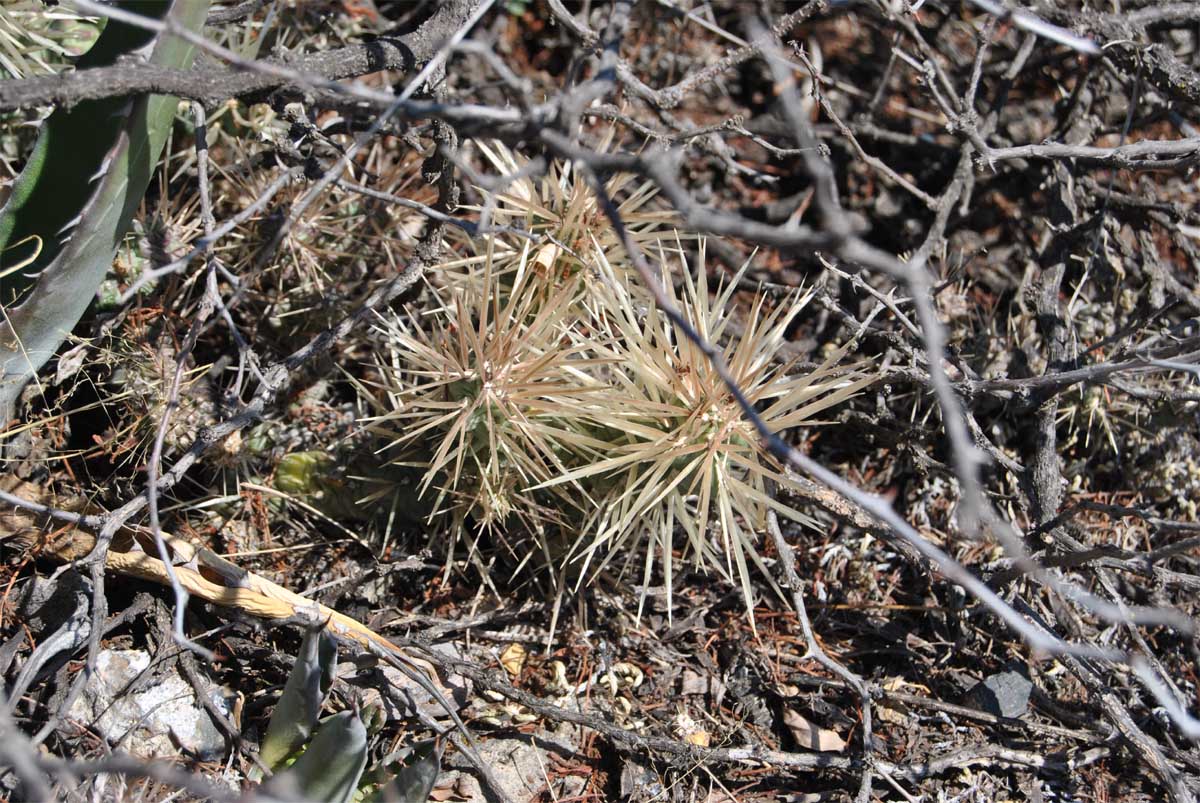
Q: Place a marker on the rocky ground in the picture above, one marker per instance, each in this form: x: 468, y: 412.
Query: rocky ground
x: 996, y: 221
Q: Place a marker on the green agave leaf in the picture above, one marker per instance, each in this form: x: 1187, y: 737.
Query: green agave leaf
x: 330, y: 769
x: 416, y: 778
x: 72, y: 143
x: 299, y: 706
x: 74, y: 201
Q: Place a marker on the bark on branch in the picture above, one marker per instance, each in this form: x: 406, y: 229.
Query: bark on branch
x: 213, y: 85
x: 210, y: 85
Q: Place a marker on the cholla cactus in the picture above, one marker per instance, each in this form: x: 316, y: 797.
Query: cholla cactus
x: 140, y: 386
x: 563, y: 210
x: 35, y: 40
x: 495, y: 382
x: 681, y: 453
x: 547, y: 399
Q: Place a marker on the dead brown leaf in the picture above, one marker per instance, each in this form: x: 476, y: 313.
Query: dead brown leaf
x: 810, y: 735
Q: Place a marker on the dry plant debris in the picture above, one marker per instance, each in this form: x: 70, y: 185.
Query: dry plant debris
x: 680, y: 401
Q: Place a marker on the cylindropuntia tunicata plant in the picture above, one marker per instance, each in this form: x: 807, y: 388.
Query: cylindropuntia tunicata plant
x: 681, y: 453
x: 562, y: 210
x: 548, y: 400
x: 137, y: 394
x: 34, y: 40
x: 493, y: 385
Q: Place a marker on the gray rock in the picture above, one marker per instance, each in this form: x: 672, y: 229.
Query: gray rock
x: 639, y: 782
x: 156, y: 721
x: 1004, y: 694
x: 405, y: 697
x: 518, y: 765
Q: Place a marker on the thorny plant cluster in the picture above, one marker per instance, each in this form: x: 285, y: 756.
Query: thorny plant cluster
x: 438, y: 310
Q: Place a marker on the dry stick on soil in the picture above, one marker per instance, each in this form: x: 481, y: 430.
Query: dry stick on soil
x: 967, y: 458
x: 1046, y: 483
x: 670, y: 97
x: 471, y: 228
x: 92, y: 522
x: 224, y: 16
x: 1150, y: 154
x: 18, y: 753
x: 154, y: 466
x: 161, y: 771
x: 791, y: 581
x: 1034, y: 24
x: 1085, y: 735
x: 754, y: 755
x: 873, y: 161
x: 958, y: 186
x: 320, y: 71
x: 435, y: 30
x: 345, y: 161
x: 495, y: 185
x: 245, y: 76
x: 1118, y: 714
x: 213, y: 85
x: 274, y: 379
x: 1145, y: 672
x: 622, y: 737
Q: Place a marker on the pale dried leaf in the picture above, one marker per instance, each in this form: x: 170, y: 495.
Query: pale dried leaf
x: 811, y: 736
x: 512, y: 658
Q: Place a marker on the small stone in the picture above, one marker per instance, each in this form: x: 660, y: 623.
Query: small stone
x: 154, y: 722
x: 517, y: 765
x: 405, y: 696
x: 640, y: 783
x: 1004, y: 694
